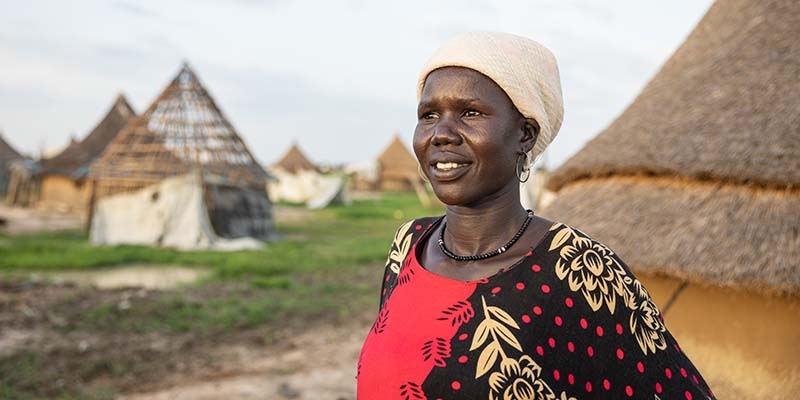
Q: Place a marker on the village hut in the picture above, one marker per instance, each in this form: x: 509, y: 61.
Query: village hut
x: 294, y: 161
x: 182, y: 133
x: 697, y: 186
x: 7, y: 156
x: 63, y: 182
x: 298, y: 180
x: 397, y: 168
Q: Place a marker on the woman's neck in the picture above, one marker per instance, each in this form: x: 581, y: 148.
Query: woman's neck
x: 479, y: 230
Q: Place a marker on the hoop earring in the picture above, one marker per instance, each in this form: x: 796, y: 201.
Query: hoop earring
x: 422, y: 174
x: 523, y: 170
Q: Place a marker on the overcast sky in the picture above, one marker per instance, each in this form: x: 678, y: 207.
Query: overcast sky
x: 336, y: 76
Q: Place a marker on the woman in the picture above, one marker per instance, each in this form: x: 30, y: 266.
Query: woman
x: 490, y: 300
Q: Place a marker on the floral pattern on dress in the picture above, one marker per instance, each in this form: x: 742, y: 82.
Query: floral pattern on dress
x: 594, y: 270
x: 400, y: 247
x: 646, y: 323
x: 517, y: 379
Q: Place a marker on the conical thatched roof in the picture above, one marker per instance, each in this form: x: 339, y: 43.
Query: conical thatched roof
x: 725, y: 106
x: 7, y: 153
x: 699, y: 177
x: 74, y: 160
x: 295, y: 161
x: 183, y: 130
x: 396, y: 160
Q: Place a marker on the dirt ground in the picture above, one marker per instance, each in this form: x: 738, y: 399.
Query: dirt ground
x: 297, y: 362
x: 42, y: 343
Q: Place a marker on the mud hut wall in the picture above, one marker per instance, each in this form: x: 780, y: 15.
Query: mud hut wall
x: 61, y: 192
x: 744, y: 342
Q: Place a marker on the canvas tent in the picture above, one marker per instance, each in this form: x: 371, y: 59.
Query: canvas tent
x: 7, y: 156
x: 184, y: 133
x: 697, y: 186
x: 298, y: 180
x: 62, y: 178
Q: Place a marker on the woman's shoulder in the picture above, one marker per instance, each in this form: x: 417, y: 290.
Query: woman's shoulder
x: 570, y: 239
x: 415, y: 227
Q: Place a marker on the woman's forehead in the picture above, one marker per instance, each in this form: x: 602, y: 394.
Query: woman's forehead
x: 461, y: 82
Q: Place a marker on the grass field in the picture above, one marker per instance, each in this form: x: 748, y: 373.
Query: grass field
x: 325, y: 267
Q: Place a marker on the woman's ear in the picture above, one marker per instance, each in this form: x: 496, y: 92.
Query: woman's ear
x: 530, y: 134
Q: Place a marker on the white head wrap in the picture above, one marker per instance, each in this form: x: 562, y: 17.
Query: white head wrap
x: 523, y: 68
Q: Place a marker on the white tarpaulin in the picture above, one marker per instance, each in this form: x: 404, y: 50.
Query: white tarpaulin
x: 308, y: 187
x: 169, y: 214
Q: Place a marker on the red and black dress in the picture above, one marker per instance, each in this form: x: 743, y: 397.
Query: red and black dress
x: 567, y: 321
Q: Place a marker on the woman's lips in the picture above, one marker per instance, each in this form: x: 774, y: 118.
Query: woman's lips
x: 448, y: 171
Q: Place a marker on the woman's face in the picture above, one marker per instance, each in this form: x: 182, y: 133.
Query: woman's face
x: 468, y: 137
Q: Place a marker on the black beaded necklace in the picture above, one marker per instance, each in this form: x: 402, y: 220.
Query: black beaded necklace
x: 492, y: 253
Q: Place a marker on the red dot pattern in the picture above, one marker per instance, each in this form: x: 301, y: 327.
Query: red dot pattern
x: 547, y: 303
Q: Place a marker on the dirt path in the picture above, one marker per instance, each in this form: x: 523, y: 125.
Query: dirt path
x: 315, y: 365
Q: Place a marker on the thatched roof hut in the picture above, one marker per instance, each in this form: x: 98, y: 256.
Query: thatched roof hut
x: 696, y: 186
x: 62, y: 178
x: 183, y: 131
x: 7, y: 155
x: 75, y: 159
x: 294, y: 161
x: 398, y: 168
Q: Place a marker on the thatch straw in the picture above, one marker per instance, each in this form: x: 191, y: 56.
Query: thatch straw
x: 725, y: 107
x: 74, y: 161
x: 295, y: 161
x: 7, y: 153
x: 398, y: 167
x: 727, y: 235
x: 183, y: 130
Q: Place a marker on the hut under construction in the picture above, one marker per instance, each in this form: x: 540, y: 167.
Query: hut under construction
x: 184, y: 133
x: 63, y: 182
x: 697, y: 186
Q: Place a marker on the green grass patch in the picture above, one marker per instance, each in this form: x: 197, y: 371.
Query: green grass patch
x: 332, y: 237
x: 326, y: 266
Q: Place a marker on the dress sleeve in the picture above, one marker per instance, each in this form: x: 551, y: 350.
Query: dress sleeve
x: 618, y: 342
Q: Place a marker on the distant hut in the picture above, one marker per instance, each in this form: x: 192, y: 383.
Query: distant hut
x: 62, y: 178
x: 183, y: 132
x: 697, y: 186
x: 298, y: 180
x: 7, y: 156
x: 397, y: 168
x: 294, y: 161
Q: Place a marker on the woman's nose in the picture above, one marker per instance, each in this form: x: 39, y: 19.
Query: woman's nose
x: 445, y: 132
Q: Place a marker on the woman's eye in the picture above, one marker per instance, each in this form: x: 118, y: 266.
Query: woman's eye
x: 471, y: 113
x: 428, y: 115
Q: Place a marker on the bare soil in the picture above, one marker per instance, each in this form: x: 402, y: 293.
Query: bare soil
x: 41, y: 330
